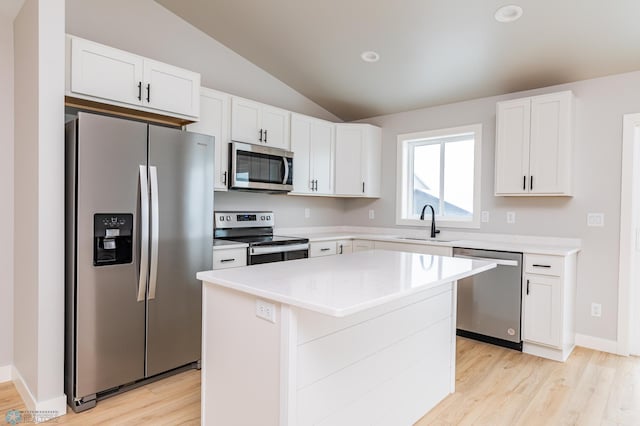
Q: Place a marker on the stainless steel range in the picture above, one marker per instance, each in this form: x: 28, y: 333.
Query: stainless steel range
x: 256, y: 229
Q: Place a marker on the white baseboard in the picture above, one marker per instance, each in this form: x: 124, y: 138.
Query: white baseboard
x: 597, y: 343
x: 5, y: 373
x: 57, y: 405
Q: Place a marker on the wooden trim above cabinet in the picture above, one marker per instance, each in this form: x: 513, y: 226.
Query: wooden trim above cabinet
x: 119, y: 111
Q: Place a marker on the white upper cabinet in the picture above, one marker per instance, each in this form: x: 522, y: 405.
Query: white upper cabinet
x: 113, y: 76
x: 214, y: 121
x: 358, y: 160
x: 253, y: 122
x: 313, y: 145
x: 534, y: 140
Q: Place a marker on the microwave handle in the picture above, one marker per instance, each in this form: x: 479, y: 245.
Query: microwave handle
x: 286, y: 170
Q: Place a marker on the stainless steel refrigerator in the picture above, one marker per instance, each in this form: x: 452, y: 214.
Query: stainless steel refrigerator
x: 139, y: 226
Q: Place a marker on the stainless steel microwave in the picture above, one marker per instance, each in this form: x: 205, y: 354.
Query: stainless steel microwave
x: 260, y: 168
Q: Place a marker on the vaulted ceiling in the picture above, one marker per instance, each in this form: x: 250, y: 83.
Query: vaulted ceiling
x: 432, y: 52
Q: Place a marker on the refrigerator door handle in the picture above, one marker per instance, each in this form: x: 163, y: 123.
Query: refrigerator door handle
x: 144, y: 234
x: 155, y: 232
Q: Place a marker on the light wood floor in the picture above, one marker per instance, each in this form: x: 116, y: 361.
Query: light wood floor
x: 494, y: 386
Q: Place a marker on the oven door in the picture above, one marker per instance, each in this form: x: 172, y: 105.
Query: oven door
x: 255, y: 167
x: 278, y: 253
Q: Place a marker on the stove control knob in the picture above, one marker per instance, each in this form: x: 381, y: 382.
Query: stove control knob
x: 221, y: 218
x: 261, y: 217
x: 228, y: 218
x: 268, y: 217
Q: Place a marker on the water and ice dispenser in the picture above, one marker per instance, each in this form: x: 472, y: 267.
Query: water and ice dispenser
x: 112, y: 239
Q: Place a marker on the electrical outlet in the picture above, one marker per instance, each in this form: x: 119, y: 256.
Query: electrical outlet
x: 596, y: 310
x: 307, y: 213
x: 266, y: 310
x: 595, y: 219
x: 484, y: 217
x: 511, y: 217
x: 372, y: 214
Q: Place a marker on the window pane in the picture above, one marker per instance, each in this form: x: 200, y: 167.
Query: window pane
x: 426, y: 177
x: 458, y: 178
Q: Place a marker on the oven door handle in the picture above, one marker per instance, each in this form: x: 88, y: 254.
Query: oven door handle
x: 278, y: 249
x: 286, y: 170
x: 502, y: 262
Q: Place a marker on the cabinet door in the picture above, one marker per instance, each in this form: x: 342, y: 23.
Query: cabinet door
x: 214, y: 121
x: 322, y: 156
x: 245, y: 121
x: 550, y: 152
x: 275, y: 125
x: 344, y: 246
x: 372, y: 161
x: 362, y: 245
x: 171, y: 89
x: 301, y: 147
x: 541, y: 310
x: 105, y: 72
x: 349, y: 139
x: 512, y: 147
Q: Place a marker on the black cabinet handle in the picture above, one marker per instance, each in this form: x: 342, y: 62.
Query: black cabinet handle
x: 226, y: 260
x: 363, y: 187
x: 316, y: 185
x: 531, y: 183
x: 139, y: 90
x: 265, y: 136
x: 149, y: 92
x: 527, y: 287
x: 224, y: 178
x: 340, y: 252
x: 325, y: 249
x: 260, y: 135
x: 541, y: 266
x: 524, y: 183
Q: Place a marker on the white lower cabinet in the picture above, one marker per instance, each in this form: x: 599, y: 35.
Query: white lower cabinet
x: 344, y: 246
x: 322, y: 248
x: 548, y: 306
x: 415, y: 248
x: 362, y: 245
x: 229, y: 258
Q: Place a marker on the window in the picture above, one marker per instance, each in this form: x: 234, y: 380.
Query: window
x: 440, y: 168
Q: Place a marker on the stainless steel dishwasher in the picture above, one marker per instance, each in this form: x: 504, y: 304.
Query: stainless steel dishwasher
x: 490, y: 303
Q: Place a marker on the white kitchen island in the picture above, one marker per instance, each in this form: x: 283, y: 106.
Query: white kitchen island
x: 361, y: 339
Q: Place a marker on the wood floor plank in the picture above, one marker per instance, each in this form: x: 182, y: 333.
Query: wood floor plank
x: 494, y: 387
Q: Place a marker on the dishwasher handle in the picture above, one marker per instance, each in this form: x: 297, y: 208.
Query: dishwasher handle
x: 502, y: 262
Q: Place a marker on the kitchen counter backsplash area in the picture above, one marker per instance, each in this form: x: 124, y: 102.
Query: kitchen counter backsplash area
x: 522, y: 243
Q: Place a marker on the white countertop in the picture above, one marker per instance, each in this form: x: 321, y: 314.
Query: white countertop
x: 517, y: 246
x: 224, y: 244
x: 343, y: 285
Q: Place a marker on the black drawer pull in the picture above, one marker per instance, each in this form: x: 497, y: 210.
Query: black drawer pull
x: 524, y: 183
x: 226, y: 260
x: 325, y: 249
x: 527, y: 287
x: 541, y: 266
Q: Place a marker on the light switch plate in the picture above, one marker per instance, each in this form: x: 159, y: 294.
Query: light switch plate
x: 484, y: 217
x: 265, y: 310
x: 511, y: 217
x: 372, y: 214
x: 595, y: 219
x: 307, y: 213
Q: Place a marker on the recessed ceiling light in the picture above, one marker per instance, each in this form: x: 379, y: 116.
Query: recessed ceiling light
x: 508, y: 13
x: 370, y: 56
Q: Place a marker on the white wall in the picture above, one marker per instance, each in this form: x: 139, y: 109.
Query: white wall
x: 146, y: 28
x: 600, y: 105
x: 6, y: 193
x: 39, y: 204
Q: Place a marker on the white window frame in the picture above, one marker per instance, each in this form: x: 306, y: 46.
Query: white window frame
x: 405, y: 169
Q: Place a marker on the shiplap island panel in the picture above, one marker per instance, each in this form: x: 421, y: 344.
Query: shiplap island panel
x: 365, y: 338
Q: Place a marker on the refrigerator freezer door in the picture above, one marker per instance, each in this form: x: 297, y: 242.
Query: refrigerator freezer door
x: 181, y: 164
x: 109, y: 321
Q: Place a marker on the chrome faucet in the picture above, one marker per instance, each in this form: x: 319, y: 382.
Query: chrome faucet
x: 434, y: 231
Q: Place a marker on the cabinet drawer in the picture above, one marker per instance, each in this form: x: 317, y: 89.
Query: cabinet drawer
x: 543, y: 265
x: 230, y: 258
x: 324, y: 248
x: 362, y: 245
